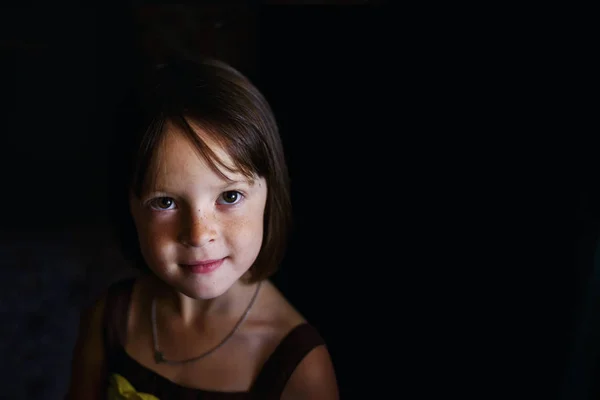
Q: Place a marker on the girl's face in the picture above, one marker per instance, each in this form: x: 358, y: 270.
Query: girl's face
x: 198, y: 232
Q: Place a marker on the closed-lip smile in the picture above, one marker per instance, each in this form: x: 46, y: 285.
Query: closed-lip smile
x: 203, y: 266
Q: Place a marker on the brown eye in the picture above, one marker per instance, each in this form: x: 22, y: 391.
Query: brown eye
x: 231, y: 197
x: 162, y: 203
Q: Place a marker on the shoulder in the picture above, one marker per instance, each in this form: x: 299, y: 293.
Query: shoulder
x: 92, y: 320
x: 87, y: 364
x: 313, y: 378
x: 88, y: 361
x: 298, y: 348
x: 280, y: 313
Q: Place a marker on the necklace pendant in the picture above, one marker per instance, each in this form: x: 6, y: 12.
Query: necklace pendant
x: 159, y: 357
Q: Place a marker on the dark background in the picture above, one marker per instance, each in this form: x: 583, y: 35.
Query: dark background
x: 444, y: 185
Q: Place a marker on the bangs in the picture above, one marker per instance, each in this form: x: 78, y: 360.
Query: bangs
x: 229, y: 124
x: 150, y: 154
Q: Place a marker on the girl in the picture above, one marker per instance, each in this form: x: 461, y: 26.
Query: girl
x: 200, y: 202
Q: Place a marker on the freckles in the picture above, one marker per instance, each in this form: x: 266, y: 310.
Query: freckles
x: 159, y: 234
x: 234, y: 224
x: 242, y: 226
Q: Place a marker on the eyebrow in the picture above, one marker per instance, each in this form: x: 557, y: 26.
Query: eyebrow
x: 236, y: 182
x: 225, y: 185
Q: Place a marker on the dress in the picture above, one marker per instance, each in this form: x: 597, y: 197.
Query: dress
x: 127, y: 379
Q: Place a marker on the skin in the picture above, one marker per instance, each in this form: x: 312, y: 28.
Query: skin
x: 191, y: 213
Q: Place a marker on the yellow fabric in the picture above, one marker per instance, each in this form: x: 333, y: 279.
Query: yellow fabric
x: 120, y: 389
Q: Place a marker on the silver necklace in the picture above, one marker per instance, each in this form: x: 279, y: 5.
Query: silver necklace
x: 159, y: 356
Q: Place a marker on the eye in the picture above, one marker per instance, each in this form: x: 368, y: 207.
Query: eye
x: 162, y: 203
x: 230, y: 197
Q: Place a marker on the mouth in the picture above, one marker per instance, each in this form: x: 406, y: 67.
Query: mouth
x: 203, y: 266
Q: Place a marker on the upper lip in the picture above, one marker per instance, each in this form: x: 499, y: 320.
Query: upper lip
x: 203, y: 262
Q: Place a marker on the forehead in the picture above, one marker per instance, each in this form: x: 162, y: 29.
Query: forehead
x: 178, y: 155
x: 177, y: 147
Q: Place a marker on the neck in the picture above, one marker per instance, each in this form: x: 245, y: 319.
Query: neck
x: 189, y: 311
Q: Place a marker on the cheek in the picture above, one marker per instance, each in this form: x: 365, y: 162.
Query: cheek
x: 247, y: 231
x: 152, y: 235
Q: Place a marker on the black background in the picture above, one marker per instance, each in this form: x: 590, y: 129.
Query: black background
x: 444, y: 186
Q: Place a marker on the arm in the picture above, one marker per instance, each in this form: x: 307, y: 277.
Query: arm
x: 314, y: 378
x: 87, y: 365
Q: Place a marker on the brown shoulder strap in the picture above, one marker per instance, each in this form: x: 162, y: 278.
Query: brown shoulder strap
x: 116, y: 313
x: 284, y: 360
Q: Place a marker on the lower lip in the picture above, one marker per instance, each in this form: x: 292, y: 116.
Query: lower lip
x: 204, y: 268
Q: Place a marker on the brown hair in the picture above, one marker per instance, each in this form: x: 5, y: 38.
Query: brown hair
x: 226, y: 105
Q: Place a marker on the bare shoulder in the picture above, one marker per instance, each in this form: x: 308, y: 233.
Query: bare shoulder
x: 314, y: 377
x: 87, y: 365
x: 274, y: 318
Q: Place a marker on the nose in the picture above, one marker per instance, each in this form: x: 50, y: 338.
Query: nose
x: 198, y: 230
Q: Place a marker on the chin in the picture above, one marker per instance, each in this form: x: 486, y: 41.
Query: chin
x: 204, y: 294
x: 204, y: 291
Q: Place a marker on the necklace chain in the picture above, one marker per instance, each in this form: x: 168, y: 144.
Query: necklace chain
x: 159, y: 356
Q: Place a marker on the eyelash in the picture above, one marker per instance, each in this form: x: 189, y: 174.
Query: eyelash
x: 151, y: 203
